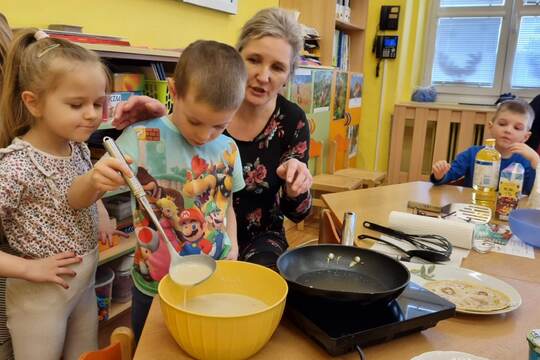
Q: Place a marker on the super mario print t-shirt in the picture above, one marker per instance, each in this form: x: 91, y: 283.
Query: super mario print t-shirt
x: 189, y: 188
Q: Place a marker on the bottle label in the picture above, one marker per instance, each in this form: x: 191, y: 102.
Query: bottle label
x: 486, y: 173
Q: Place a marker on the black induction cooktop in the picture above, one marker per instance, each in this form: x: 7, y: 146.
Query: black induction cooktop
x: 339, y: 327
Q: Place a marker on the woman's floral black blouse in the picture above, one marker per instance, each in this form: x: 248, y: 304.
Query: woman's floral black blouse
x: 261, y: 206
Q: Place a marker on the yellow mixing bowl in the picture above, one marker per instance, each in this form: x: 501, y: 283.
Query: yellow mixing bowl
x: 218, y: 337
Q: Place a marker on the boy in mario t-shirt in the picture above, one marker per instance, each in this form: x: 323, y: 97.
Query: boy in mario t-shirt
x: 188, y: 169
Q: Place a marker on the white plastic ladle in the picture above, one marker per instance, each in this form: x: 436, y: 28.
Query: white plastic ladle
x: 184, y: 270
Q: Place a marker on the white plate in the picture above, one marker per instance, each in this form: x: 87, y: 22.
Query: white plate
x: 447, y: 355
x: 445, y: 272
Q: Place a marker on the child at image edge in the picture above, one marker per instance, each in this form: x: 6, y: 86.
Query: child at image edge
x: 188, y: 168
x: 510, y: 127
x: 52, y: 100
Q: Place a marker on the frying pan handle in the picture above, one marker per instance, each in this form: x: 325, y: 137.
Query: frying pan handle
x: 384, y: 230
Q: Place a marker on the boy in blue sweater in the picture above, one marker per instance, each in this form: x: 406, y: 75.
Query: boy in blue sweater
x: 510, y: 127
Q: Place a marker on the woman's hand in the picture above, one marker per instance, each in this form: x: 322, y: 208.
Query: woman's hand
x: 439, y: 169
x: 297, y: 177
x: 137, y: 108
x: 51, y: 269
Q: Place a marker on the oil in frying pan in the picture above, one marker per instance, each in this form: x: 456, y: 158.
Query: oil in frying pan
x: 340, y: 280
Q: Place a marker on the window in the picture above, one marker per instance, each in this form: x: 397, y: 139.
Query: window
x: 484, y: 47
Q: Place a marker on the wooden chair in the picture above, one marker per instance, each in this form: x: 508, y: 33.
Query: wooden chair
x: 328, y: 229
x: 121, y: 347
x: 368, y: 178
x: 330, y: 182
x: 326, y: 182
x: 329, y: 232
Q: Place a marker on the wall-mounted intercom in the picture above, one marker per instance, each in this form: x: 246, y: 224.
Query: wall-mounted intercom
x: 389, y: 18
x: 386, y: 47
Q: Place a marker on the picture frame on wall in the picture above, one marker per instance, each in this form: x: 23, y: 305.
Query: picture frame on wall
x: 228, y: 6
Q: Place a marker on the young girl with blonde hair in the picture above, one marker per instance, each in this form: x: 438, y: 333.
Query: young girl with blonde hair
x: 52, y: 100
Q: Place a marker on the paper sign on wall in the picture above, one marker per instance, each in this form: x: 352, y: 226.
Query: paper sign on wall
x: 302, y: 89
x: 355, y: 92
x: 228, y: 6
x: 322, y: 86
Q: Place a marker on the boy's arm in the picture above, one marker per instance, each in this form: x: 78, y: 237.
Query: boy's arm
x: 527, y: 152
x: 50, y: 269
x: 231, y: 231
x: 458, y: 169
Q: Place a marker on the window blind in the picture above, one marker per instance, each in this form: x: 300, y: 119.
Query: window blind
x: 526, y: 67
x: 466, y: 50
x: 472, y: 3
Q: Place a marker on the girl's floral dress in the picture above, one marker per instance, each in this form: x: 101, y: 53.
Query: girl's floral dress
x: 261, y: 206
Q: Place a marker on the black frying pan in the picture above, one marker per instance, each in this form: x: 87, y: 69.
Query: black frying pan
x: 311, y: 271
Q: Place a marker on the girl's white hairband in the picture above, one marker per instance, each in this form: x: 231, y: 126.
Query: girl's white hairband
x: 40, y: 34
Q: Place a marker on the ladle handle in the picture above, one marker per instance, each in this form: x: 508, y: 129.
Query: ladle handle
x: 115, y: 152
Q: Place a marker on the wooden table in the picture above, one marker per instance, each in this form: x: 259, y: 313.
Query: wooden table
x: 495, y: 336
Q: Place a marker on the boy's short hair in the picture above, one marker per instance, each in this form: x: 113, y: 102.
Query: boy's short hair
x: 215, y: 72
x: 517, y: 106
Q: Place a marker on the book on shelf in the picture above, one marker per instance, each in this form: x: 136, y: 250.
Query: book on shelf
x: 343, y: 10
x: 87, y: 38
x: 340, y: 51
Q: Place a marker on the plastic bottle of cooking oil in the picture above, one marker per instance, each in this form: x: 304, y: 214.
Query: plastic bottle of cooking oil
x: 486, y: 175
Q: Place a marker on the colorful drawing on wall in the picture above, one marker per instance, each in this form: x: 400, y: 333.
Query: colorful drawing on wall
x: 322, y: 86
x: 355, y: 92
x: 352, y: 135
x: 340, y: 99
x: 302, y: 90
x: 228, y: 6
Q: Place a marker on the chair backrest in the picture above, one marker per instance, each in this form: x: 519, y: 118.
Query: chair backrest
x: 121, y: 347
x: 316, y: 150
x: 315, y: 153
x: 328, y: 230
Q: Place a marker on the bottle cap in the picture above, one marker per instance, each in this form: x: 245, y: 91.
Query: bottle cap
x: 489, y: 142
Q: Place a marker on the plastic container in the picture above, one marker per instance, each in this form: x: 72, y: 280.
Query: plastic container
x: 525, y: 224
x: 119, y: 206
x: 510, y: 185
x: 104, y: 283
x: 158, y: 90
x: 205, y: 336
x: 122, y: 280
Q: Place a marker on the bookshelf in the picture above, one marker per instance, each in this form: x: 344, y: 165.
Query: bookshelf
x: 321, y: 15
x: 126, y: 59
x: 126, y: 246
x: 133, y: 53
